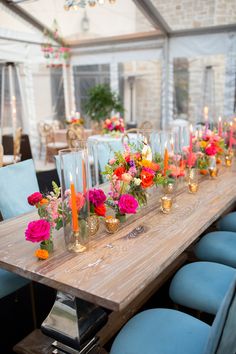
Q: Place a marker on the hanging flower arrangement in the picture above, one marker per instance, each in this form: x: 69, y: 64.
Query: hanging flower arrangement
x: 54, y: 54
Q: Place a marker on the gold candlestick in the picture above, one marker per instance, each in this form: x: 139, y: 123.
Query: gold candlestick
x: 166, y: 204
x: 76, y: 246
x: 112, y: 225
x: 193, y: 187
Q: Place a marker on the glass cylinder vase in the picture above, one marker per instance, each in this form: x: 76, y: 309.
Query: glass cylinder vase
x: 75, y: 203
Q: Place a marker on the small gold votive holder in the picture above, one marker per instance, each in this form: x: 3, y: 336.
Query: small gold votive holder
x: 169, y: 188
x: 166, y: 204
x: 228, y: 160
x: 112, y: 224
x: 213, y: 171
x: 193, y: 187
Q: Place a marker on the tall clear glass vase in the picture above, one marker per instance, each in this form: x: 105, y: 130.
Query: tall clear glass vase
x: 75, y: 203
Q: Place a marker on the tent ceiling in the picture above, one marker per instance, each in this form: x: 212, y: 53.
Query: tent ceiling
x: 120, y: 19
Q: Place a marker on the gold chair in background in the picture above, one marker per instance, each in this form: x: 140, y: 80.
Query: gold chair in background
x: 146, y: 125
x: 52, y: 146
x: 17, y: 144
x: 73, y: 134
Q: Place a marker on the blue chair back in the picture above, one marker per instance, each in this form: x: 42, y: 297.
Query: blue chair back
x: 222, y: 339
x: 17, y: 182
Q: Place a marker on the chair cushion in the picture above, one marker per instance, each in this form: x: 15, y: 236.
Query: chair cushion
x: 222, y: 338
x: 17, y: 182
x: 201, y: 285
x: 10, y: 282
x: 218, y: 246
x: 162, y: 331
x: 228, y: 222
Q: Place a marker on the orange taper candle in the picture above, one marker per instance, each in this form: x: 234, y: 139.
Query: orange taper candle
x: 166, y: 158
x: 74, y: 211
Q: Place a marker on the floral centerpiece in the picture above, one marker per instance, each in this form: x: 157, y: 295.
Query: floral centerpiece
x: 130, y: 174
x: 113, y: 125
x: 75, y: 118
x: 50, y: 212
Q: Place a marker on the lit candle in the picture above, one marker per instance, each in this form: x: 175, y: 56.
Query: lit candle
x: 220, y: 127
x: 166, y: 158
x: 231, y: 136
x: 205, y: 110
x: 74, y: 211
x: 13, y: 106
x: 190, y: 145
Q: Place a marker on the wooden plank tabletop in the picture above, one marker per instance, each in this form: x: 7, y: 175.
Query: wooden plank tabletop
x: 118, y: 267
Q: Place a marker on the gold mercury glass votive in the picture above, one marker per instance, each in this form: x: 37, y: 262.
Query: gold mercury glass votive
x: 213, y: 171
x: 112, y: 225
x: 193, y: 187
x: 166, y: 204
x: 168, y: 188
x: 228, y: 160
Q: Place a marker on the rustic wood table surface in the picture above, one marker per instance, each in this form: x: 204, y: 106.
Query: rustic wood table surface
x: 118, y: 268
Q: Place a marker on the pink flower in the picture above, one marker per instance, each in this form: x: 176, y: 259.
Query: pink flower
x: 34, y: 198
x: 80, y: 200
x: 97, y: 197
x: 126, y: 177
x: 38, y: 231
x: 112, y: 161
x: 127, y: 204
x: 211, y: 150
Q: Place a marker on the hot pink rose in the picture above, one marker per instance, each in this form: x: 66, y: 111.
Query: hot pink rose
x: 127, y: 204
x: 211, y: 150
x: 38, y: 231
x: 34, y: 198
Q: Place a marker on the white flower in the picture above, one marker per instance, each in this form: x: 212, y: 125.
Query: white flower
x: 137, y: 181
x: 147, y: 153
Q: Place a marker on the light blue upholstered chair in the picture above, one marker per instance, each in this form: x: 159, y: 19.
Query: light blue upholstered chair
x: 201, y: 285
x: 163, y: 331
x: 218, y: 246
x: 17, y: 182
x: 228, y: 222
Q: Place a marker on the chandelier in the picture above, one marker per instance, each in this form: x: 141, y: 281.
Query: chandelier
x: 76, y: 4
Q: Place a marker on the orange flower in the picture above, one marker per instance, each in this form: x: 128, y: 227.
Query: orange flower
x: 43, y: 201
x: 149, y: 164
x: 41, y: 254
x: 100, y: 210
x: 204, y: 172
x: 147, y: 179
x: 119, y: 172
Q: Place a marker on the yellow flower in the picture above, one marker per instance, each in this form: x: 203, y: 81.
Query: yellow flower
x: 203, y: 144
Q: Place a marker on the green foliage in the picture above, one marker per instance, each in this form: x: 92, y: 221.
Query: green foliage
x: 101, y: 102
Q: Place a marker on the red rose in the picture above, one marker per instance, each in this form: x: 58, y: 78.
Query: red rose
x: 34, y: 198
x: 100, y: 210
x: 119, y: 172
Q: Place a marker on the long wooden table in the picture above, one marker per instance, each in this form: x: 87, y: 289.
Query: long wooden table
x: 118, y: 268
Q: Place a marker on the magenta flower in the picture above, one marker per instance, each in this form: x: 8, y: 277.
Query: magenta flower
x: 127, y: 204
x: 97, y: 197
x: 38, y: 231
x: 34, y: 198
x: 211, y: 150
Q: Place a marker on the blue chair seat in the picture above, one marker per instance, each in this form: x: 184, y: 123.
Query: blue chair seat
x: 228, y: 222
x: 218, y: 246
x: 10, y: 283
x: 201, y: 285
x: 162, y: 331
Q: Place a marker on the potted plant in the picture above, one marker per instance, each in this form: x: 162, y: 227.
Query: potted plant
x: 102, y: 102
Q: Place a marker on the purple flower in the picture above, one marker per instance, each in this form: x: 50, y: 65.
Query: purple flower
x: 127, y: 204
x: 97, y: 197
x: 131, y: 163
